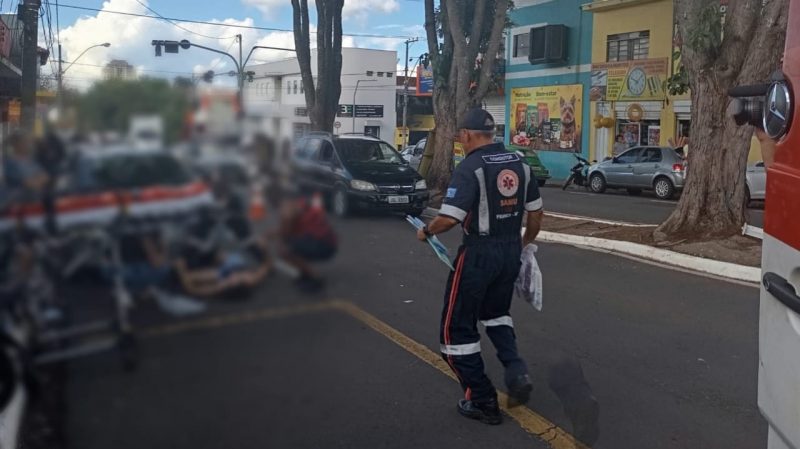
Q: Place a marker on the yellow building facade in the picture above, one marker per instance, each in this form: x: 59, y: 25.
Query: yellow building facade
x: 632, y: 57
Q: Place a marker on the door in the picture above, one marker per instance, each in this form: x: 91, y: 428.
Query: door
x: 304, y: 165
x: 620, y: 171
x: 327, y: 165
x: 644, y: 170
x: 374, y: 131
x: 419, y: 151
x: 779, y: 318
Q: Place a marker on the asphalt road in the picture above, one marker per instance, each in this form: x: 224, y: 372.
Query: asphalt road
x: 618, y: 205
x: 671, y: 358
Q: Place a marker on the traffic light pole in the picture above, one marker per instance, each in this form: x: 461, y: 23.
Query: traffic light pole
x: 405, y: 97
x: 29, y: 10
x: 239, y: 65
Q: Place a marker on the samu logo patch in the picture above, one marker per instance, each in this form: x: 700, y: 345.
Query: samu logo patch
x: 451, y: 192
x: 508, y: 183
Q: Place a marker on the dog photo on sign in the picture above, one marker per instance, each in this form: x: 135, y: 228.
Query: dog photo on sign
x: 568, y: 131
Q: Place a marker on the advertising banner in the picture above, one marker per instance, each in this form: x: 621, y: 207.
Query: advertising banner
x: 425, y: 80
x: 547, y: 118
x: 641, y: 79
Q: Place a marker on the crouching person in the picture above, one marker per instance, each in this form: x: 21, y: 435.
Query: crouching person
x: 307, y: 236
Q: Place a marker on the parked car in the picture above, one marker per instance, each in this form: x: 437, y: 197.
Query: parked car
x: 413, y: 153
x: 756, y: 177
x: 358, y: 172
x: 531, y: 158
x: 641, y: 168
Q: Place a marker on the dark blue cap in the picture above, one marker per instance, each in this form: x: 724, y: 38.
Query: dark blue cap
x: 477, y: 119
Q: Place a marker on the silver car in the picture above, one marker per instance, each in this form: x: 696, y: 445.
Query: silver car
x: 413, y: 154
x: 660, y: 169
x: 756, y: 177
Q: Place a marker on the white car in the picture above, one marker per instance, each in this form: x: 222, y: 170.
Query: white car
x: 756, y: 177
x: 413, y: 154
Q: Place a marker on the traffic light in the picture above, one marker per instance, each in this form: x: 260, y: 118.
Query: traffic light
x: 171, y: 47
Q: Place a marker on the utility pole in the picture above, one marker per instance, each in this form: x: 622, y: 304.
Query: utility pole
x: 241, y: 74
x: 60, y: 84
x: 405, y: 97
x: 28, y: 12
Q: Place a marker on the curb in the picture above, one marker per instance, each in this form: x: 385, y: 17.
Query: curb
x: 725, y: 270
x: 598, y: 220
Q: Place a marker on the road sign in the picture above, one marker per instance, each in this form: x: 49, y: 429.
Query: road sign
x: 337, y: 125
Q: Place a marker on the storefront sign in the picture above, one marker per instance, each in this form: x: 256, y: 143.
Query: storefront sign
x: 629, y: 80
x: 362, y: 110
x: 547, y: 118
x: 369, y: 110
x: 424, y: 80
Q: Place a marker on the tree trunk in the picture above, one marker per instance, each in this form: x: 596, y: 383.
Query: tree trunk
x: 322, y: 100
x: 712, y: 204
x: 465, y: 35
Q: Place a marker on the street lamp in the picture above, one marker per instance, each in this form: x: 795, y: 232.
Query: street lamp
x: 62, y: 72
x: 354, y: 101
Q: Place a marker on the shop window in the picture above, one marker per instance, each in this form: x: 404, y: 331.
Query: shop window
x: 628, y: 46
x: 639, y: 133
x: 683, y: 128
x: 521, y: 45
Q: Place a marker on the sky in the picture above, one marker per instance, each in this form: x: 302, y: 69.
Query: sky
x: 130, y: 37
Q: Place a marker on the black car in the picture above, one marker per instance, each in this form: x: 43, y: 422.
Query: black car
x: 358, y: 172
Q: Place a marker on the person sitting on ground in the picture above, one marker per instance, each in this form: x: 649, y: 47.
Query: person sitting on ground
x: 145, y: 267
x: 213, y: 260
x: 306, y: 237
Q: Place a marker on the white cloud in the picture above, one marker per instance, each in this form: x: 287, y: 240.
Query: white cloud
x: 353, y: 9
x: 360, y: 9
x: 130, y: 39
x: 268, y: 7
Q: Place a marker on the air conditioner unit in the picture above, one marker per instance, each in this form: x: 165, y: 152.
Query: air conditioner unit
x: 548, y: 44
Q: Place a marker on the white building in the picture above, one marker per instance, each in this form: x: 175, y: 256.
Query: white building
x: 275, y: 99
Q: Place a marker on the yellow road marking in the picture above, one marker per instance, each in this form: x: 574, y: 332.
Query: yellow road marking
x: 530, y: 421
x: 234, y: 318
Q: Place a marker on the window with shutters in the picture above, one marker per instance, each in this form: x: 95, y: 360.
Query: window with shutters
x: 628, y: 46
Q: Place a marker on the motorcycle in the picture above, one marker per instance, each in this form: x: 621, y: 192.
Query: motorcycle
x: 579, y: 174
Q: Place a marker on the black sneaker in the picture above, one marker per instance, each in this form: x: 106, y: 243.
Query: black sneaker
x: 485, y: 412
x: 519, y: 390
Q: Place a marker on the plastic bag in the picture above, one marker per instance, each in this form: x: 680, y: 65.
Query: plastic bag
x: 528, y: 285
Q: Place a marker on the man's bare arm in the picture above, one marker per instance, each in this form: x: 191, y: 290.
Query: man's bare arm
x: 439, y: 225
x: 533, y: 226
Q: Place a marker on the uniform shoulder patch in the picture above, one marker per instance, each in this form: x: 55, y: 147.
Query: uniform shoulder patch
x: 451, y: 192
x: 500, y: 158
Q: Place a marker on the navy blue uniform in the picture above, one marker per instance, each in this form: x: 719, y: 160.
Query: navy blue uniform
x: 489, y: 192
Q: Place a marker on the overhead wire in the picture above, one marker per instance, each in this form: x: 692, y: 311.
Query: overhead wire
x: 183, y: 28
x: 229, y: 25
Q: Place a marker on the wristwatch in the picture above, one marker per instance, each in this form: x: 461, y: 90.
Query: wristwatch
x: 427, y: 231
